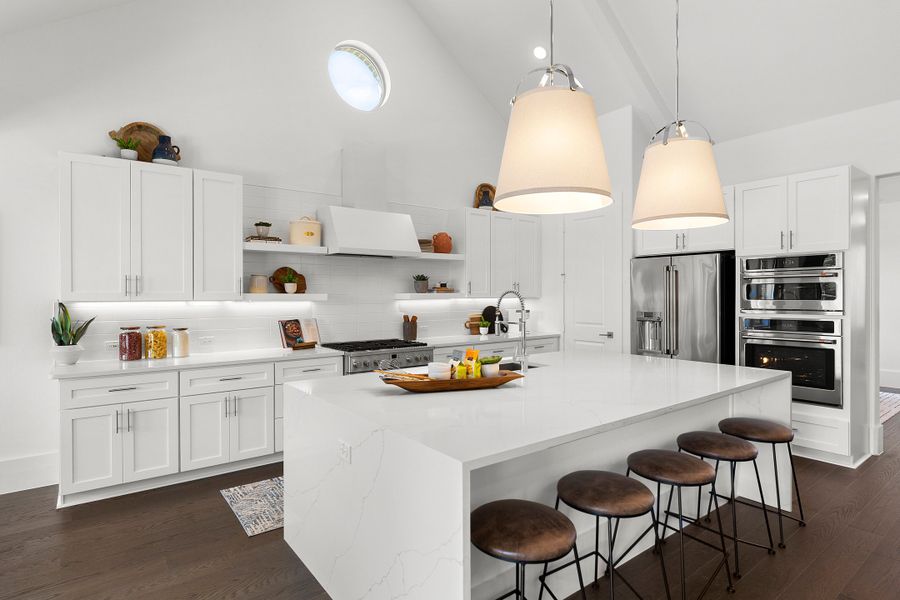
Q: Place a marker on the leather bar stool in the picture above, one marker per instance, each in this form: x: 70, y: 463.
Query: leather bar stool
x: 678, y: 470
x: 612, y: 496
x: 523, y: 532
x: 722, y: 447
x: 764, y: 431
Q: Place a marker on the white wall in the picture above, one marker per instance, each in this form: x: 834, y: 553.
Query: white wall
x: 242, y: 87
x: 889, y: 225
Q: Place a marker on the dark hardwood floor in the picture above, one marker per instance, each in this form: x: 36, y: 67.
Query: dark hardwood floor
x: 183, y: 542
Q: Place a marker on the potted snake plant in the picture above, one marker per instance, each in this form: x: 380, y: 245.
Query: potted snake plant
x: 67, y: 332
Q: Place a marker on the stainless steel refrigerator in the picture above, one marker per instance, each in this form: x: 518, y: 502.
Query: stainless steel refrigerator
x: 682, y: 307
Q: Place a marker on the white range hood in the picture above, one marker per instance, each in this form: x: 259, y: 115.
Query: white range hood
x: 367, y: 232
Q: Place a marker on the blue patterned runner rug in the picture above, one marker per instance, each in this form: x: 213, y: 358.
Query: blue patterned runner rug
x: 258, y: 506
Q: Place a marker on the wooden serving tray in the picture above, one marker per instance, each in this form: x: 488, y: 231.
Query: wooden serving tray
x: 454, y: 385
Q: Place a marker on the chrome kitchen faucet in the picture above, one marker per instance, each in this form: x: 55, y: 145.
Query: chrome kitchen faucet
x: 523, y: 316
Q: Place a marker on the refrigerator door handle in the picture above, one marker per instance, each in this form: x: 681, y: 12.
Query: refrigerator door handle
x: 668, y: 312
x: 675, y: 327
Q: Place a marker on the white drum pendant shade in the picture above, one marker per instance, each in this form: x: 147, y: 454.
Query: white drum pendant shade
x: 679, y: 187
x: 553, y: 160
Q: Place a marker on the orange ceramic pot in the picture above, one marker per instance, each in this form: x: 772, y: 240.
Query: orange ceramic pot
x: 443, y: 243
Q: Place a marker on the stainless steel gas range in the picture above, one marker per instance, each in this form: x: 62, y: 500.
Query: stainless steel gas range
x: 368, y: 355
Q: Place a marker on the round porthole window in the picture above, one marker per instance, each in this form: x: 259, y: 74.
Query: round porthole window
x: 358, y: 75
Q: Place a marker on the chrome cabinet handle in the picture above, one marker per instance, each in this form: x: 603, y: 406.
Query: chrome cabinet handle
x: 683, y: 241
x: 227, y: 398
x: 312, y: 370
x: 126, y: 285
x: 538, y: 347
x: 469, y: 287
x: 231, y: 378
x: 117, y: 421
x: 782, y: 240
x: 122, y: 389
x: 608, y: 334
x: 127, y: 419
x: 240, y: 286
x: 676, y: 241
x: 137, y: 285
x: 791, y: 240
x: 235, y: 400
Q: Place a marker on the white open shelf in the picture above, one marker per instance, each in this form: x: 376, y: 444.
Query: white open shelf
x: 276, y: 297
x: 429, y: 296
x: 437, y: 256
x: 284, y: 248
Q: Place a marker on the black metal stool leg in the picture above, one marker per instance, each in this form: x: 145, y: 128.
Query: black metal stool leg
x: 709, y: 505
x: 597, y: 551
x: 796, y: 487
x: 523, y: 581
x: 578, y: 569
x: 681, y: 541
x: 518, y: 581
x: 609, y: 557
x: 734, y: 532
x: 762, y: 501
x: 730, y: 587
x: 778, y: 501
x: 662, y: 562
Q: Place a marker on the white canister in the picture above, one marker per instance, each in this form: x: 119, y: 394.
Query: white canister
x: 259, y: 284
x: 306, y: 232
x: 181, y: 342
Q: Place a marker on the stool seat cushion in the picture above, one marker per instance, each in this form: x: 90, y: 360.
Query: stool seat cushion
x: 717, y: 446
x: 605, y: 494
x: 671, y: 468
x: 757, y: 430
x: 521, y: 531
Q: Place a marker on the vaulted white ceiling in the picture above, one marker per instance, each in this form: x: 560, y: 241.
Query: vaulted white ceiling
x: 746, y: 67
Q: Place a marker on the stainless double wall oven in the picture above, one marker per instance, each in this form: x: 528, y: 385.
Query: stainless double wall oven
x: 791, y: 319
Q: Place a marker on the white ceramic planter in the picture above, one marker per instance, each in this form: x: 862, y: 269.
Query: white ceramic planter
x: 290, y: 288
x: 490, y: 370
x: 483, y: 330
x: 67, y: 355
x: 128, y: 155
x: 262, y: 230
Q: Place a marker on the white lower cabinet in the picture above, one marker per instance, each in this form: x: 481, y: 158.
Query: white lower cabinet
x: 505, y: 347
x: 226, y: 426
x: 91, y: 452
x: 150, y: 442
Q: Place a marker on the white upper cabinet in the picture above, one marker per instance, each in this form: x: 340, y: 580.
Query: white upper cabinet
x: 528, y: 256
x: 218, y: 239
x: 714, y: 239
x: 807, y: 212
x: 503, y: 252
x: 761, y: 211
x: 161, y: 232
x: 703, y: 239
x: 478, y: 252
x: 95, y: 227
x: 819, y: 210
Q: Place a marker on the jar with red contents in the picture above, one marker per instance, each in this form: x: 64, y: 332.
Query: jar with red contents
x: 130, y: 341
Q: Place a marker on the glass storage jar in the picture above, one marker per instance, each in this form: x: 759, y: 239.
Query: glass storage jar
x: 130, y: 343
x: 181, y: 342
x: 157, y: 342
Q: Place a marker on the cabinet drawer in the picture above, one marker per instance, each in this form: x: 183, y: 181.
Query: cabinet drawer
x: 279, y: 435
x: 116, y: 389
x: 311, y: 368
x: 506, y: 349
x: 543, y: 345
x: 221, y: 379
x: 821, y: 433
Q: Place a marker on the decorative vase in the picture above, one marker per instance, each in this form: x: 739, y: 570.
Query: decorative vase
x: 67, y: 355
x: 165, y: 152
x: 290, y: 288
x: 262, y: 230
x: 443, y: 243
x: 483, y: 330
x: 128, y: 154
x: 420, y: 286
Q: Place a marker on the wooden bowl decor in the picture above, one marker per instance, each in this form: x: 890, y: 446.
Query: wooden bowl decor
x: 422, y: 384
x: 277, y: 279
x: 484, y: 196
x: 146, y: 133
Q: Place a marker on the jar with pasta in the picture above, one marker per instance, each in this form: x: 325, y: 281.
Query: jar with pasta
x: 157, y: 342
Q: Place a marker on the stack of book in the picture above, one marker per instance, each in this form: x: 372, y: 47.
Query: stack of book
x: 263, y: 239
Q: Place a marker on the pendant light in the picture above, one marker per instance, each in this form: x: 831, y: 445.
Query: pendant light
x: 553, y: 160
x: 679, y: 186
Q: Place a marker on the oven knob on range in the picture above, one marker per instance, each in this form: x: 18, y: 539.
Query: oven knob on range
x: 355, y: 364
x: 409, y: 359
x: 366, y: 364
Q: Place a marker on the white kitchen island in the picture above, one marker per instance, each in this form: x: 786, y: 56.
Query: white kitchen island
x: 379, y: 482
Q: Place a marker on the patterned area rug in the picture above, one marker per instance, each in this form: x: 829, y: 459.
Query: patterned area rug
x: 258, y: 506
x: 890, y: 404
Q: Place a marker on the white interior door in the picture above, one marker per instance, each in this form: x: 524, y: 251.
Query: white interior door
x: 94, y: 207
x: 150, y: 445
x: 528, y: 255
x: 218, y: 237
x: 594, y: 282
x: 503, y: 252
x: 252, y: 423
x: 91, y: 451
x: 161, y: 232
x: 204, y: 430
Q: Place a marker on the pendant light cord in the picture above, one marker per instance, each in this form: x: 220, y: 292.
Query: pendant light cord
x: 550, y: 66
x: 677, y: 66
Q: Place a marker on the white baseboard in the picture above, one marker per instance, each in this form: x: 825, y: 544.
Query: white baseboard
x: 889, y: 378
x: 26, y: 472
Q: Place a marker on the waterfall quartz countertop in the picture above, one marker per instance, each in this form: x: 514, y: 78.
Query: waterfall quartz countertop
x: 380, y: 482
x: 569, y: 395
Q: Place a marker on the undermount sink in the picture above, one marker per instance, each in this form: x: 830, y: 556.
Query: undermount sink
x: 517, y: 366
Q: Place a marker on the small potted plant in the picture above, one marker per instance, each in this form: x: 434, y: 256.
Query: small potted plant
x: 483, y: 327
x: 420, y: 283
x: 128, y: 147
x: 290, y: 283
x: 66, y: 334
x: 262, y: 228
